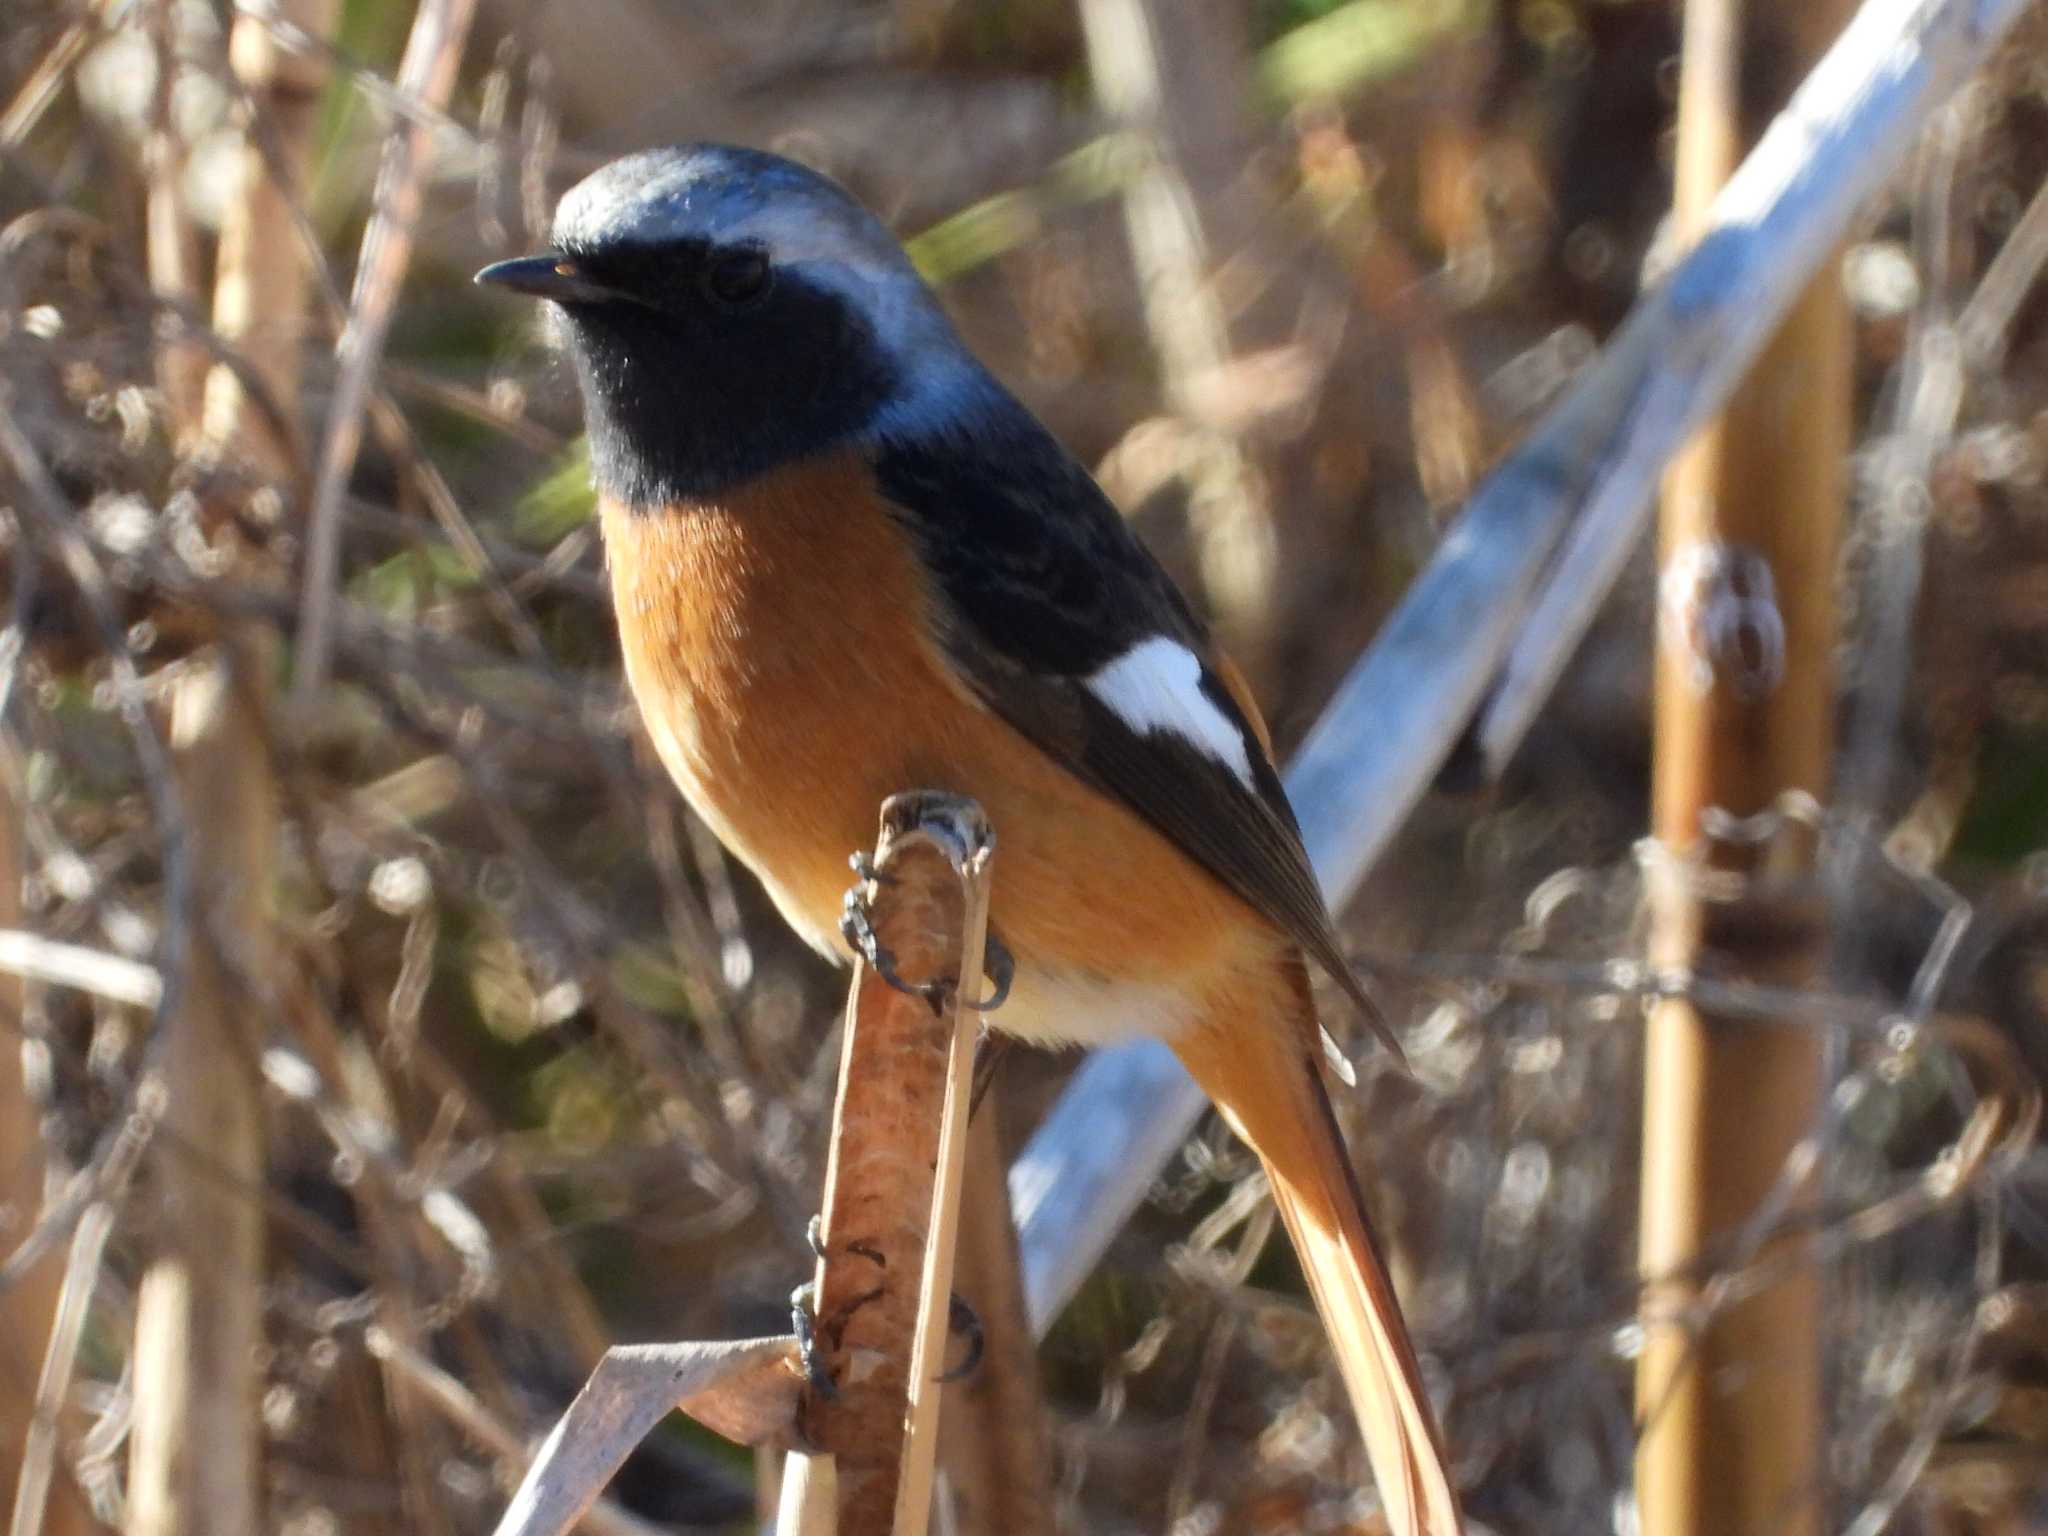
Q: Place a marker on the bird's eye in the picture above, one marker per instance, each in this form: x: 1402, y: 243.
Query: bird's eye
x: 738, y: 279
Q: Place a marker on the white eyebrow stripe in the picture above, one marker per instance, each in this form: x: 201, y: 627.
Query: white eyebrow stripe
x: 1156, y: 686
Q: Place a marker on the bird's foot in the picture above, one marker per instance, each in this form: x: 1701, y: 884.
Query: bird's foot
x: 857, y: 927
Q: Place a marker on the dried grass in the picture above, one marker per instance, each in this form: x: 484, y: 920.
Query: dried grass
x: 542, y: 1071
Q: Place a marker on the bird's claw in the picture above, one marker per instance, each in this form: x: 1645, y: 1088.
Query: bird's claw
x: 814, y: 1239
x: 804, y: 1324
x: 862, y: 863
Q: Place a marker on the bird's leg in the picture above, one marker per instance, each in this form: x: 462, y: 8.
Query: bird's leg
x: 1001, y: 968
x: 988, y: 1050
x: 961, y: 1319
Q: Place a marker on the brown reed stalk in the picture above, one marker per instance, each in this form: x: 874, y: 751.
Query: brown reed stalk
x: 899, y: 1139
x: 172, y: 246
x: 29, y: 1307
x: 1730, y: 1395
x: 195, y: 1461
x: 263, y: 280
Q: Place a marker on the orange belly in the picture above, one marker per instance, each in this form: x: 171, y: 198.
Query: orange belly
x: 776, y: 642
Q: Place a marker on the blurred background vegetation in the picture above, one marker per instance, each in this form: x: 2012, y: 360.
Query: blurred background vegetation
x: 539, y: 1070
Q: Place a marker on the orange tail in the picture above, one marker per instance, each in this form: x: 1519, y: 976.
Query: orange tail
x: 1265, y: 1076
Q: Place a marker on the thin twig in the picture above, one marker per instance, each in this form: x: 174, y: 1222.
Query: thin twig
x: 113, y: 1156
x: 172, y: 250
x: 434, y: 489
x: 44, y: 82
x: 427, y: 72
x: 403, y: 99
x: 1229, y: 508
x: 1987, y: 319
x: 1928, y: 400
x: 60, y: 1358
x: 114, y: 977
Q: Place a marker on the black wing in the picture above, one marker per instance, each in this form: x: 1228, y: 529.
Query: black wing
x: 1042, y: 585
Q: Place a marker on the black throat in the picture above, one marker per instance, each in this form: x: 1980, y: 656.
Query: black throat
x: 683, y: 406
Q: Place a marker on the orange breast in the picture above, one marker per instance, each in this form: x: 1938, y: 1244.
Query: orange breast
x: 778, y: 643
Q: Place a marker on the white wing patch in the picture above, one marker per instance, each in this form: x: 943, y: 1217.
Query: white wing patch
x: 1156, y: 686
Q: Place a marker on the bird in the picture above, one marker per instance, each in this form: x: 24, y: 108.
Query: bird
x: 846, y: 561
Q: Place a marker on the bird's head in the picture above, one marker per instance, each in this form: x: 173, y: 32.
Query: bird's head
x: 730, y: 312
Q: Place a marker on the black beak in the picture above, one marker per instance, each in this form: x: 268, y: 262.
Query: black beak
x: 547, y: 276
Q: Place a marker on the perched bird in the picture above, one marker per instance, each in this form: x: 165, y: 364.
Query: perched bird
x: 847, y: 562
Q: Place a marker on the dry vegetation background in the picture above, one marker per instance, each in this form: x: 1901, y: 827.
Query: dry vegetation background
x: 538, y: 1070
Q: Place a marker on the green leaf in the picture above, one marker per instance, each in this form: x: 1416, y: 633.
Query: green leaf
x: 1359, y: 42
